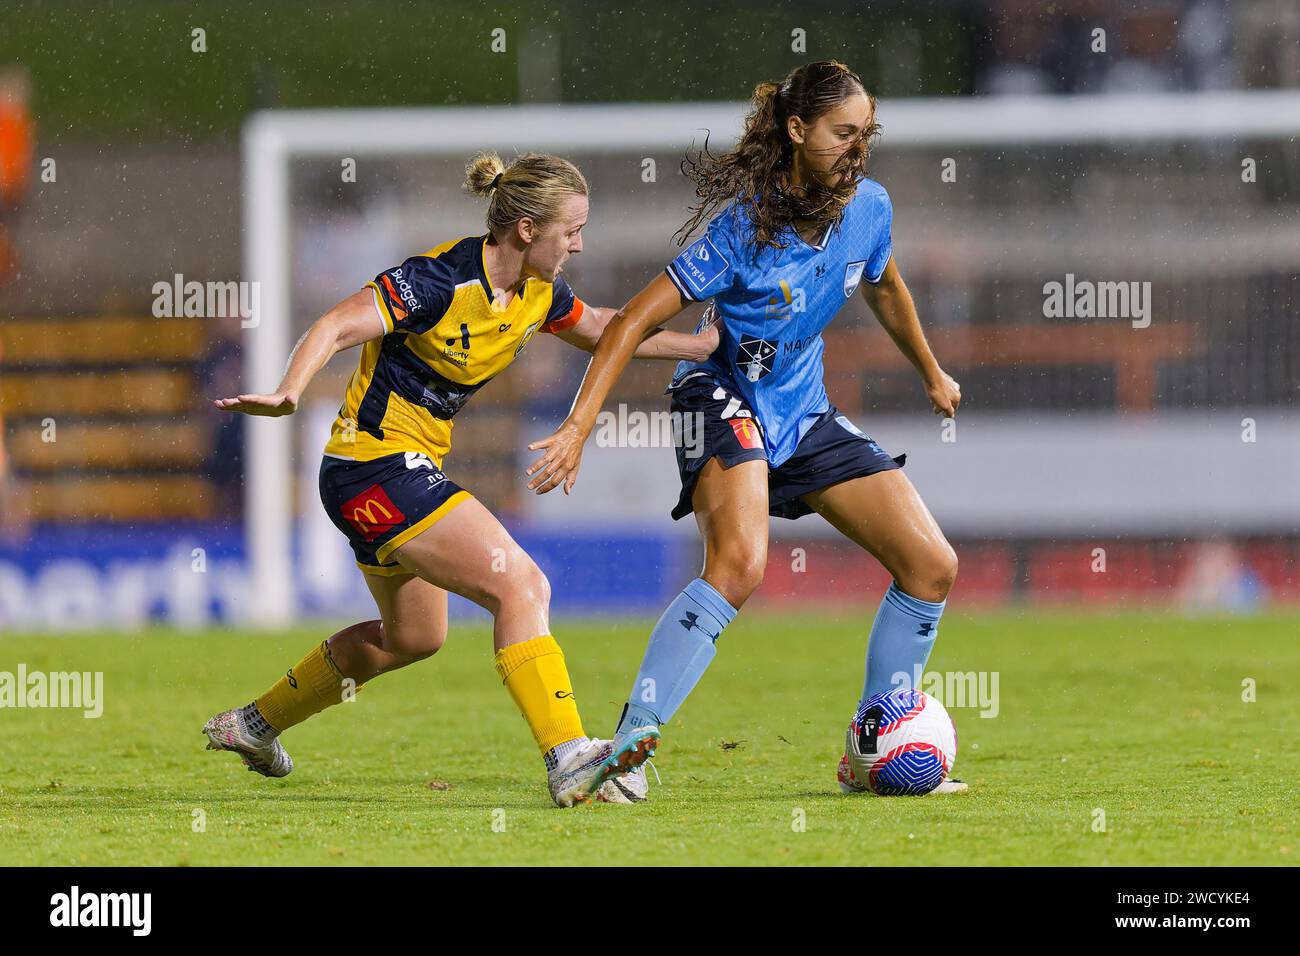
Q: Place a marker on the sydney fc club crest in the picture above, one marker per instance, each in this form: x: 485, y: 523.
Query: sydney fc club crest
x: 754, y: 358
x: 852, y: 276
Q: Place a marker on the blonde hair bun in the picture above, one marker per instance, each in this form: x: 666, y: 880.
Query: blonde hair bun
x: 533, y: 187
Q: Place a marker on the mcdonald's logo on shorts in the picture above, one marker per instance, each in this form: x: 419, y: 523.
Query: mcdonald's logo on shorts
x: 372, y: 513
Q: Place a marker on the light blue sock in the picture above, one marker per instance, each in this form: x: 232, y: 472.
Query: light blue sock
x: 901, y: 640
x: 680, y: 649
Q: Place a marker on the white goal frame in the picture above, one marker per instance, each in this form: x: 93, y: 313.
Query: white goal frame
x: 271, y: 139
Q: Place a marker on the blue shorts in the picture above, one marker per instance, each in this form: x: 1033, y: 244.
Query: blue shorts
x: 832, y: 451
x: 383, y: 503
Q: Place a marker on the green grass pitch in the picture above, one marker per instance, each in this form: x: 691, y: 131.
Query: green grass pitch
x: 1139, y: 717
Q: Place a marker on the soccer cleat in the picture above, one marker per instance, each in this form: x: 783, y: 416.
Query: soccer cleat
x: 951, y: 786
x: 631, y: 787
x: 849, y: 783
x: 581, y: 777
x: 228, y: 731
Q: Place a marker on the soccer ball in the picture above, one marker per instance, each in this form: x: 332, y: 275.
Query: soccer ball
x: 901, y: 743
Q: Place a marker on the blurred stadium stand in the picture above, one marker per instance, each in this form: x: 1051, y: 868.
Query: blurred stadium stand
x: 121, y: 408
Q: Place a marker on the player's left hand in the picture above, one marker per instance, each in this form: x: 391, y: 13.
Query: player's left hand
x: 709, y: 337
x: 945, y: 395
x: 560, y: 463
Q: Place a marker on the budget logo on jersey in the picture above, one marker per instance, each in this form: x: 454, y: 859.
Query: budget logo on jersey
x: 852, y: 276
x: 402, y: 292
x: 700, y: 264
x: 372, y: 513
x: 754, y: 358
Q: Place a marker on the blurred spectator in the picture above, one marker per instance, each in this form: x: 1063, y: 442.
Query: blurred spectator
x: 1219, y: 579
x: 1204, y: 39
x: 17, y: 151
x: 15, y: 515
x: 220, y: 374
x: 1267, y: 45
x: 1149, y: 47
x: 1140, y: 59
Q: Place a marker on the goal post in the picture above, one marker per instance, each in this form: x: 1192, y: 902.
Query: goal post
x: 272, y: 140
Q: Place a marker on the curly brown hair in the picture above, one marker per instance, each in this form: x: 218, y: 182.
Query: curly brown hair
x: 754, y: 171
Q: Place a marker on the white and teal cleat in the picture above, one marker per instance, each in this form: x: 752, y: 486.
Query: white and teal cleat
x: 632, y: 787
x: 229, y: 731
x: 584, y: 774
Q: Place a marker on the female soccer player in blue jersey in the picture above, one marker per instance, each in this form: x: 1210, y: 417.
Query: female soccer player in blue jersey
x: 796, y: 229
x: 432, y: 331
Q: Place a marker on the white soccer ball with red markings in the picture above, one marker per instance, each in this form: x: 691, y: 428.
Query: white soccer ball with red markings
x: 901, y: 743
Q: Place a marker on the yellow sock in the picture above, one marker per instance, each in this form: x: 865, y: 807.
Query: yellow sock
x: 537, y: 679
x: 310, y: 686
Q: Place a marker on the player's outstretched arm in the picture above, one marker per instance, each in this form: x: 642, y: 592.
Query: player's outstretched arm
x: 658, y: 343
x: 562, y: 451
x: 895, y: 310
x: 351, y: 322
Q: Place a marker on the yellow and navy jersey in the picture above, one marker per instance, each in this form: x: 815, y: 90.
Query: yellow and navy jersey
x: 443, y: 340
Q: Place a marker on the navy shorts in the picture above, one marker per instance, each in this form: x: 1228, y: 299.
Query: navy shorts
x: 832, y: 451
x: 384, y: 503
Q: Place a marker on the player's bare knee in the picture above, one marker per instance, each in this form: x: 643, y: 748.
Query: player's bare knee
x: 414, y: 640
x: 737, y: 574
x: 425, y: 644
x: 522, y: 583
x: 532, y: 586
x: 933, y: 577
x: 945, y: 571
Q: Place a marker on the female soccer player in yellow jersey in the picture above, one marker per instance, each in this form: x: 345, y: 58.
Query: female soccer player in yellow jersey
x: 434, y: 330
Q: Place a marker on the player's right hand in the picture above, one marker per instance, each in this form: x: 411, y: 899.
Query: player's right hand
x: 945, y: 395
x: 270, y: 405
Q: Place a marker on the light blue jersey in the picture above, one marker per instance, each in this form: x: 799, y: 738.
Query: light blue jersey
x: 774, y: 305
